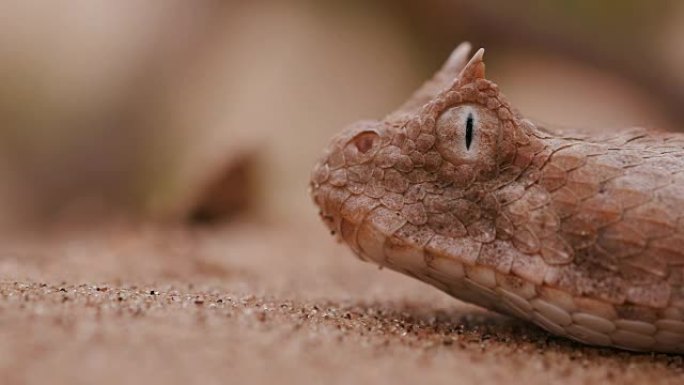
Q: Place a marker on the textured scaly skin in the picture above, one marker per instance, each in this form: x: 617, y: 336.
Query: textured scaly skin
x: 583, y: 236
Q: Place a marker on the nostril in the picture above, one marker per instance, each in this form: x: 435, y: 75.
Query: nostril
x: 365, y: 140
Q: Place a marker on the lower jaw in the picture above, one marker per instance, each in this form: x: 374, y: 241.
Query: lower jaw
x: 585, y: 320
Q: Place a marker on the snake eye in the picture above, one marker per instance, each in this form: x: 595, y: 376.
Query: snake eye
x: 468, y: 133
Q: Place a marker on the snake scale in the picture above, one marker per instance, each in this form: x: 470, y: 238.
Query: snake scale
x: 581, y: 235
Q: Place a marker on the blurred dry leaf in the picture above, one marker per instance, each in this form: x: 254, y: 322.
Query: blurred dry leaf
x: 279, y: 78
x: 228, y: 192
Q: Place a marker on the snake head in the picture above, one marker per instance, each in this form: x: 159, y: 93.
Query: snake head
x: 423, y: 174
x: 457, y: 189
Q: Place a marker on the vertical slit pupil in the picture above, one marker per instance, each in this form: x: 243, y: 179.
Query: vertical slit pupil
x: 469, y: 131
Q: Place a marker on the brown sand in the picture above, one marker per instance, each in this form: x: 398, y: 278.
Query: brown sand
x: 251, y: 303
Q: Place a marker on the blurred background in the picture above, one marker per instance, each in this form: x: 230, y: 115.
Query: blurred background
x: 199, y: 111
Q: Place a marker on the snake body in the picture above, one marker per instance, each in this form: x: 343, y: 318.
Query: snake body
x: 581, y: 235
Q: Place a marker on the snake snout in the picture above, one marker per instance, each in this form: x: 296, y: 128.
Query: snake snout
x: 342, y: 171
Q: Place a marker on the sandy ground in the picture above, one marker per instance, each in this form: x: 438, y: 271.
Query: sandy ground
x: 252, y: 303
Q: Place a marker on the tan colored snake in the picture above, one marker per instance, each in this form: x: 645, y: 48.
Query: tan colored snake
x: 584, y: 236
